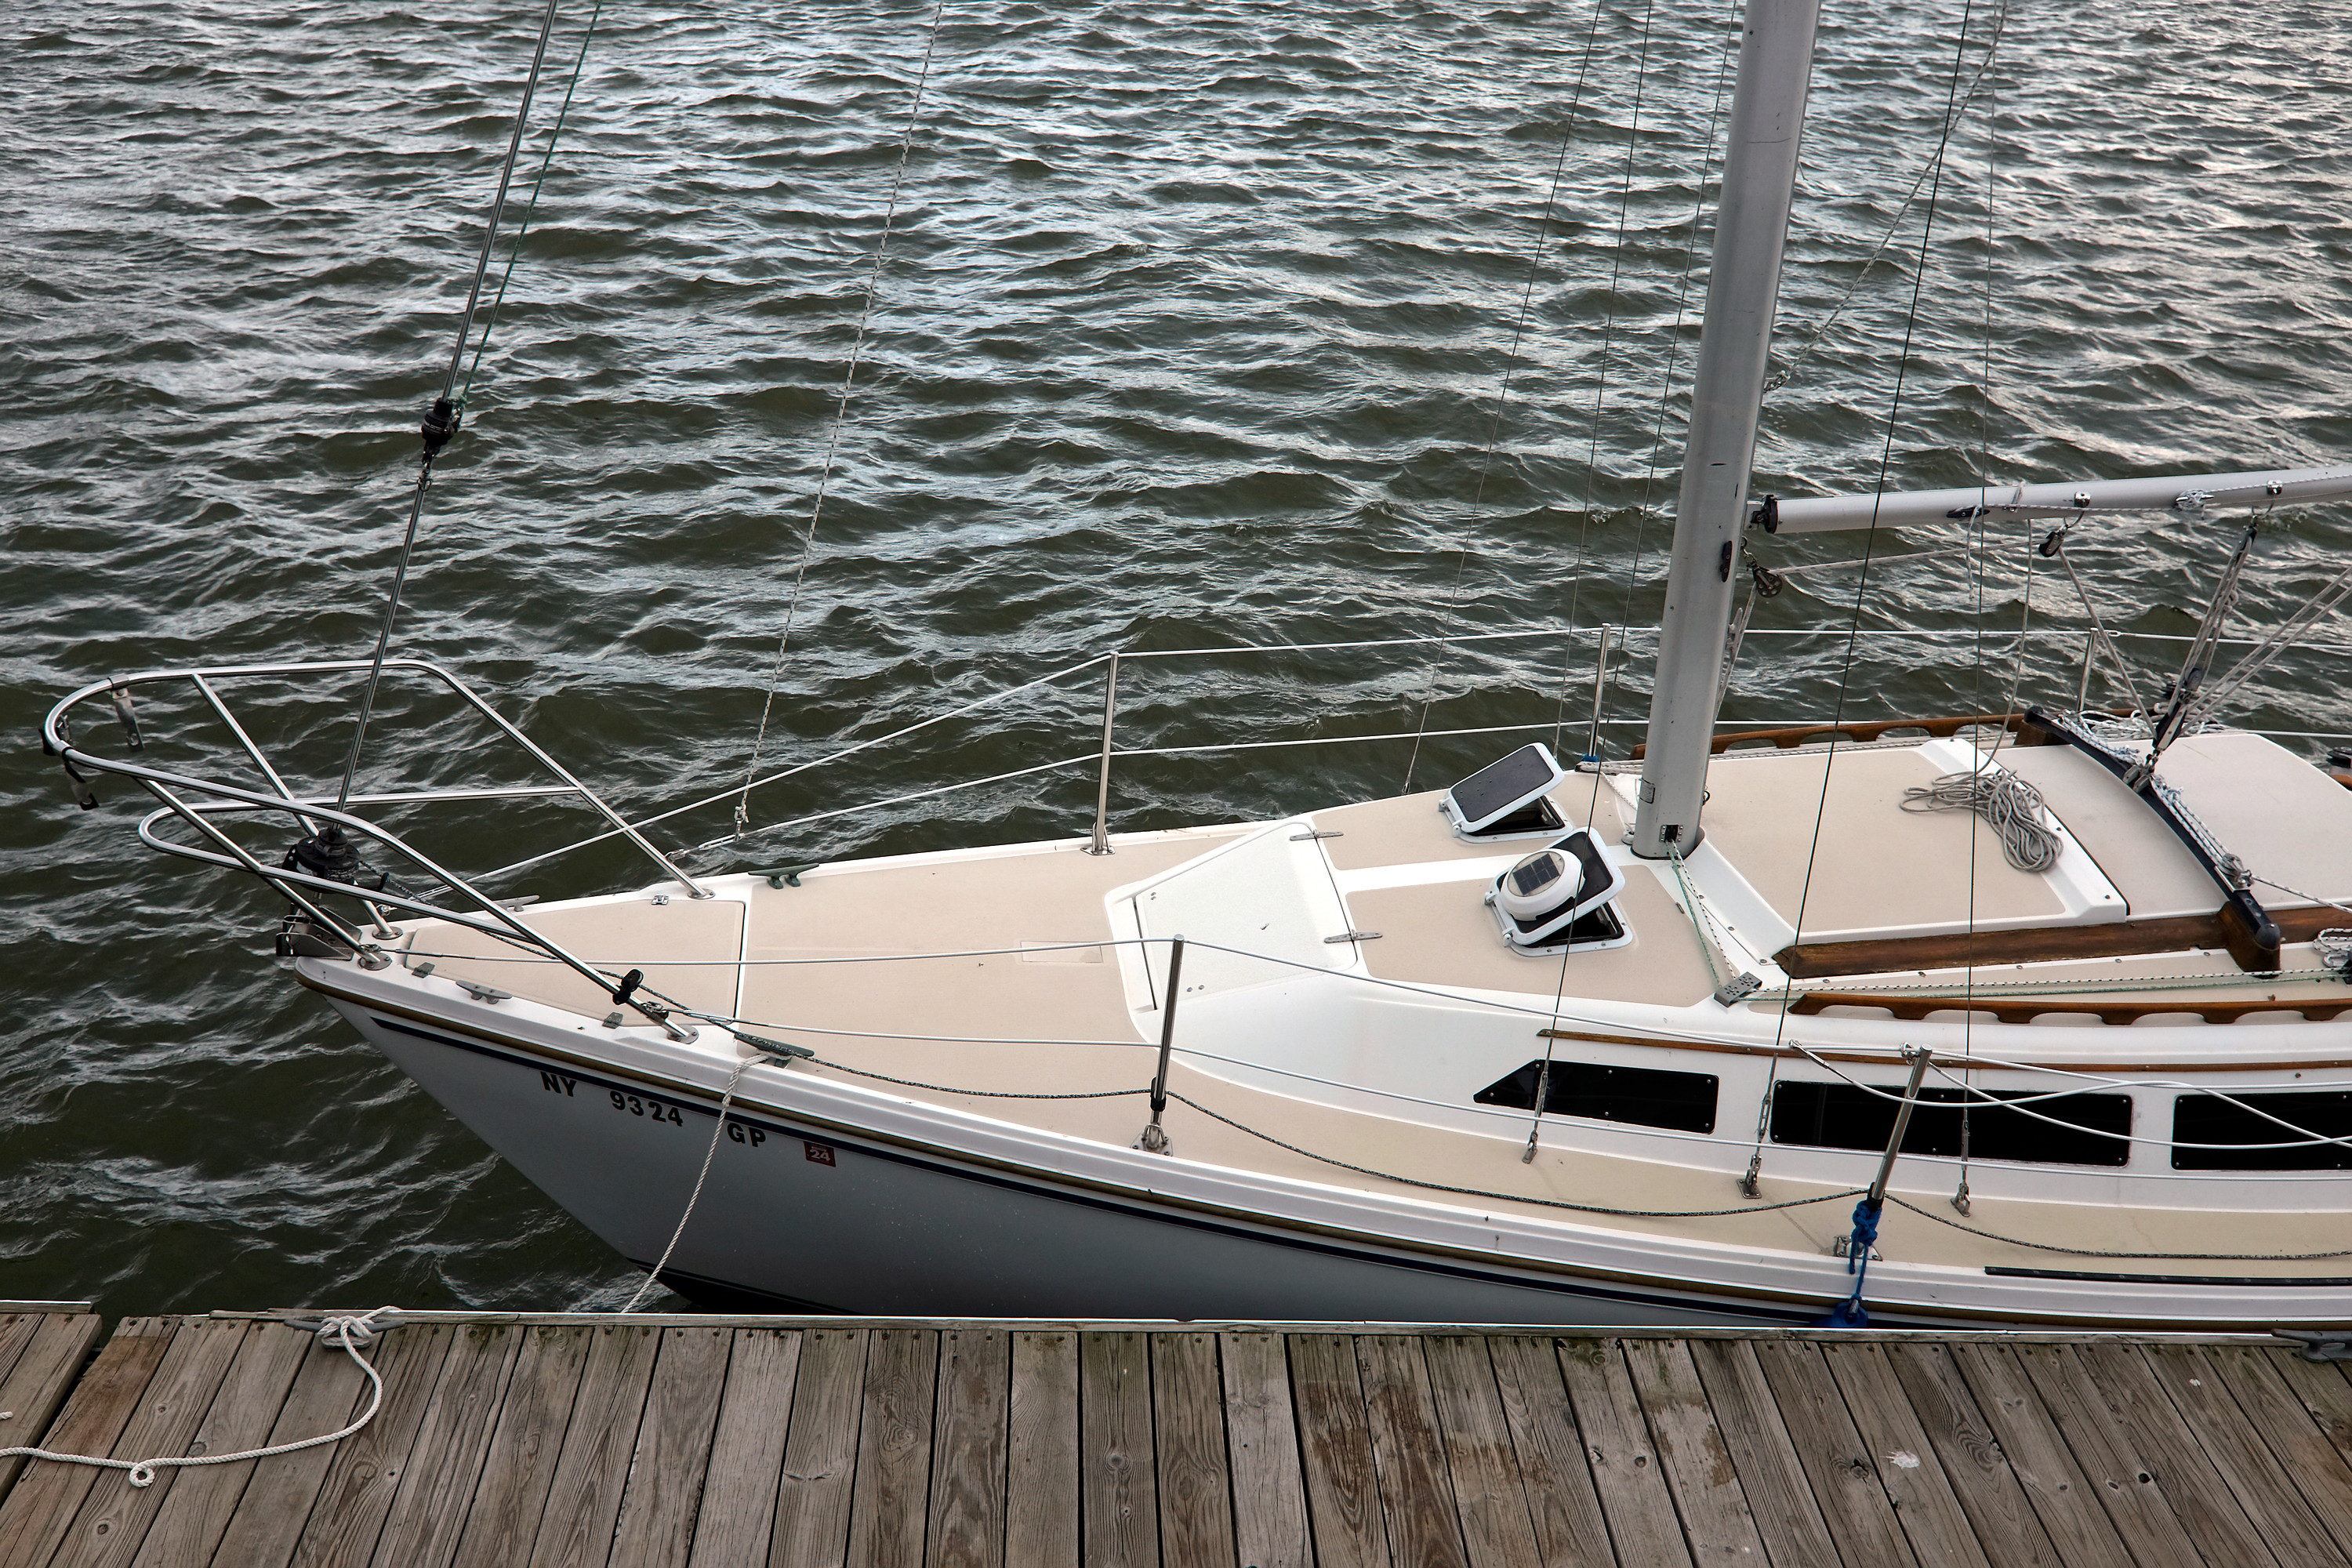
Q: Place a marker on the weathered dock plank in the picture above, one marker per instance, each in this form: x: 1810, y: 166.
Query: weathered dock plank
x: 889, y: 1501
x: 662, y: 1495
x: 1797, y: 1455
x: 328, y: 1392
x: 366, y: 1474
x: 1625, y: 1469
x: 162, y: 1421
x: 48, y: 1349
x: 1261, y: 1449
x: 1692, y: 1451
x: 1343, y: 1498
x: 191, y: 1515
x: 1490, y: 1497
x: 572, y: 1441
x: 583, y: 1500
x: 740, y: 1493
x: 1548, y: 1453
x: 1119, y: 1492
x: 967, y: 1525
x: 1041, y: 1510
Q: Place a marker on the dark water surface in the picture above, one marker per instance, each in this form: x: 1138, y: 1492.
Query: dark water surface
x: 1193, y: 330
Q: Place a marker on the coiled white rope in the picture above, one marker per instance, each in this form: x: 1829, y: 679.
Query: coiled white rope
x: 2010, y: 807
x: 348, y: 1330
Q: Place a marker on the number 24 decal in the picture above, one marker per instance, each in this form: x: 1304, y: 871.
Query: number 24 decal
x: 653, y: 1108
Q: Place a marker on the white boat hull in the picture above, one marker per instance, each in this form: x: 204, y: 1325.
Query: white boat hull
x: 797, y: 1216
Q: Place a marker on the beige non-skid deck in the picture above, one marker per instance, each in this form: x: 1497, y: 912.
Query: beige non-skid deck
x: 710, y: 1443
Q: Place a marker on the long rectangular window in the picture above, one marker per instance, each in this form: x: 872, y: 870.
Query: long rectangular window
x: 1646, y: 1097
x: 1846, y: 1116
x: 2208, y: 1119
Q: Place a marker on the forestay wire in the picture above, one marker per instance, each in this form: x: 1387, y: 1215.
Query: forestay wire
x: 840, y: 422
x: 441, y: 422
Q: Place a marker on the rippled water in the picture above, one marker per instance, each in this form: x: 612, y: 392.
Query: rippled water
x: 1193, y: 330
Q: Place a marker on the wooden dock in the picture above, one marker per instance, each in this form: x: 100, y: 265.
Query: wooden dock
x: 533, y: 1442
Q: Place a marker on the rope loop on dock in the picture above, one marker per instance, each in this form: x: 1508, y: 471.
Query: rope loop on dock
x: 348, y: 1330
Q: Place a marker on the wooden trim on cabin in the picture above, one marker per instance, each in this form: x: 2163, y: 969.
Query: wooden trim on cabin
x: 2038, y: 945
x: 1857, y: 731
x: 2024, y: 1010
x: 1887, y: 1059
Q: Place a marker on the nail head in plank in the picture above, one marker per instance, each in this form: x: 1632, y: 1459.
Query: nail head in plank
x: 192, y: 1517
x: 967, y: 1472
x: 813, y: 1494
x: 1626, y: 1476
x: 1261, y: 1447
x: 1041, y: 1516
x: 1691, y: 1451
x: 1335, y: 1440
x: 1810, y: 1485
x: 1562, y: 1504
x: 41, y: 1506
x: 1119, y: 1507
x: 38, y: 1383
x: 747, y: 1449
x: 503, y: 1522
x: 889, y: 1503
x: 1907, y: 1402
x: 1490, y: 1494
x: 663, y: 1492
x: 1196, y: 1494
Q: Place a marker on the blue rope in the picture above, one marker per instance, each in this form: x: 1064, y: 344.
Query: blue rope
x: 1850, y: 1313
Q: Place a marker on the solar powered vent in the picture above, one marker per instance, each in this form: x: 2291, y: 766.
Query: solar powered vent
x: 1557, y: 900
x: 1507, y: 799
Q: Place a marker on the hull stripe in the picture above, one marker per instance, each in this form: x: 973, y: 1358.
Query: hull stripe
x: 708, y: 1107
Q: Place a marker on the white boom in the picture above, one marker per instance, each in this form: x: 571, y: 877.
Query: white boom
x: 2167, y: 492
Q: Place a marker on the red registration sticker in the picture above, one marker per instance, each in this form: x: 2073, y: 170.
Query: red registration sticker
x: 820, y: 1153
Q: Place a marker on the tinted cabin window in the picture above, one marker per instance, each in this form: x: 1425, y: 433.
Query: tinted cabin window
x: 2206, y: 1119
x: 1843, y: 1116
x: 1642, y: 1096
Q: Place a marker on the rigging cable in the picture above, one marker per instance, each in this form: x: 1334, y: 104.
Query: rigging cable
x: 1935, y: 161
x: 1665, y: 381
x: 840, y: 419
x: 1870, y: 538
x: 442, y: 420
x: 1510, y: 368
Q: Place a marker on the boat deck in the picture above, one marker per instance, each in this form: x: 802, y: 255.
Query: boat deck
x: 713, y: 1441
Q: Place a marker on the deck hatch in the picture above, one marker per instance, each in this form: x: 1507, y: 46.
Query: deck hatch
x: 1646, y: 1097
x: 2209, y: 1119
x: 1847, y: 1116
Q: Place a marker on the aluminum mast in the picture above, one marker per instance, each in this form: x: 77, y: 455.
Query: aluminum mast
x: 1751, y: 226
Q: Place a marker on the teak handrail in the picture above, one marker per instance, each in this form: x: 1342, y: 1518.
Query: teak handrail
x: 1861, y: 730
x: 2024, y: 1010
x: 2038, y: 944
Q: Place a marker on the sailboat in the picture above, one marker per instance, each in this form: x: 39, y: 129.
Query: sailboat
x: 2038, y: 1016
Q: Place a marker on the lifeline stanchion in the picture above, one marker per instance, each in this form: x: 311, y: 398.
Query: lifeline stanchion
x: 1850, y: 1314
x: 1155, y: 1138
x: 1102, y: 845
